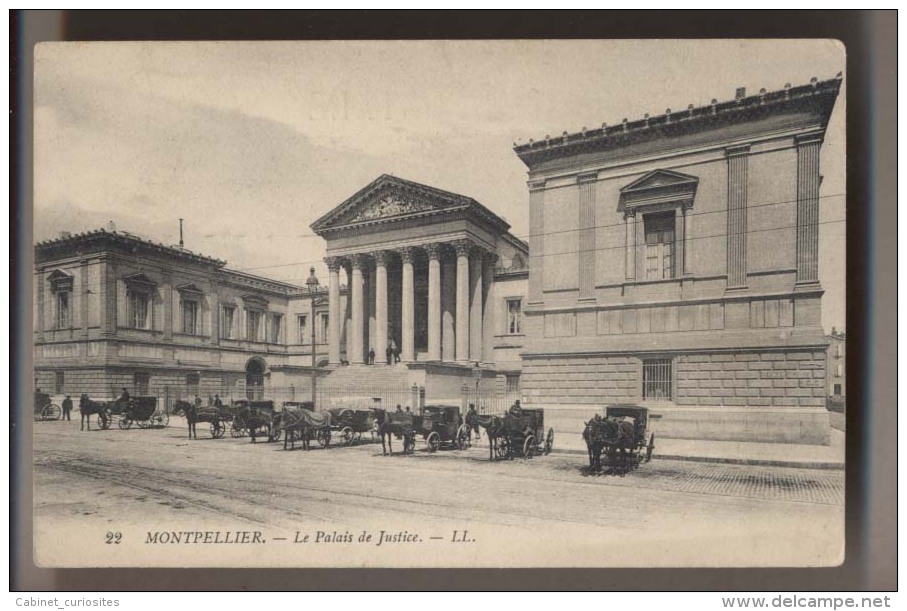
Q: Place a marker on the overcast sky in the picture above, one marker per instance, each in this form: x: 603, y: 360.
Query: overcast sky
x: 251, y: 142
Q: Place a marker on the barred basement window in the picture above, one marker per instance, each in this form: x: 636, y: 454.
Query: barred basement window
x: 513, y: 382
x: 657, y: 377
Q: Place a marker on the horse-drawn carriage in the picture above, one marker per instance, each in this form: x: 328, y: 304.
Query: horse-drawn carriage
x: 621, y: 436
x: 437, y: 424
x: 350, y: 424
x: 519, y: 432
x: 217, y: 417
x: 45, y: 409
x: 300, y: 422
x: 141, y: 410
x: 254, y: 418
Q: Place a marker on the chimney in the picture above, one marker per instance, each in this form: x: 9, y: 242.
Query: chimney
x: 181, y: 233
x: 111, y: 227
x: 741, y: 93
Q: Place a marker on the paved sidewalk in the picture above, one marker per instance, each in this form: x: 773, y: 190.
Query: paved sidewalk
x: 734, y: 452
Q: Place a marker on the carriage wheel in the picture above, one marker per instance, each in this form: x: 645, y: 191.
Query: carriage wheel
x: 217, y: 429
x: 346, y: 436
x: 124, y: 423
x: 463, y: 437
x: 529, y: 446
x: 237, y: 429
x: 104, y: 420
x: 549, y: 441
x: 51, y: 412
x: 433, y: 441
x: 163, y: 419
x: 650, y: 448
x: 409, y: 444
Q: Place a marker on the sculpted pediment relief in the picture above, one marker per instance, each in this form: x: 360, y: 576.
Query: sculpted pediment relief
x: 388, y: 205
x: 659, y: 186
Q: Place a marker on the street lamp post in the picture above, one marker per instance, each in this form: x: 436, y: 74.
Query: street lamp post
x: 311, y: 285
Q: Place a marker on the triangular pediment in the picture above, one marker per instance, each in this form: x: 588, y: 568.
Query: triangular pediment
x: 139, y: 279
x: 189, y: 288
x: 391, y: 198
x: 660, y: 178
x: 59, y: 280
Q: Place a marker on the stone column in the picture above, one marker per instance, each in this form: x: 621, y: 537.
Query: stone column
x: 630, y: 263
x: 407, y: 309
x: 434, y: 301
x: 808, y: 208
x: 357, y: 291
x: 536, y: 239
x: 688, y: 239
x: 380, y: 306
x: 463, y: 247
x: 40, y: 285
x: 333, y: 264
x: 586, y: 224
x: 489, y: 262
x: 83, y: 298
x: 448, y: 309
x: 737, y: 159
x: 475, y: 309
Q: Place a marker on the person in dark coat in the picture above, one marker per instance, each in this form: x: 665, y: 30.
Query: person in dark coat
x: 67, y: 407
x: 371, y: 356
x: 217, y: 401
x: 388, y: 354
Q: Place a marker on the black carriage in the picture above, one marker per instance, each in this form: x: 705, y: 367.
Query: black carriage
x: 442, y: 425
x: 622, y: 436
x: 45, y: 409
x: 140, y: 410
x: 524, y: 434
x: 254, y: 418
x: 299, y: 421
x: 438, y: 425
x: 350, y: 424
x: 218, y: 417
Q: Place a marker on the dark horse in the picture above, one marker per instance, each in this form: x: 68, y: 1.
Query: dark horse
x: 88, y: 408
x: 495, y: 430
x: 301, y: 424
x: 195, y: 414
x: 614, y: 437
x: 389, y: 429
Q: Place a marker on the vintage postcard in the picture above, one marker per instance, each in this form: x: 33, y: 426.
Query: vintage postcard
x: 439, y: 304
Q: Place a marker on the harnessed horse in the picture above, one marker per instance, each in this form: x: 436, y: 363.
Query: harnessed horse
x: 88, y: 408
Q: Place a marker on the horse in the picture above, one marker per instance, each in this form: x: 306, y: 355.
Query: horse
x: 387, y: 429
x: 194, y: 415
x: 255, y: 418
x: 88, y: 408
x: 495, y: 430
x: 292, y: 421
x: 592, y: 437
x: 613, y: 436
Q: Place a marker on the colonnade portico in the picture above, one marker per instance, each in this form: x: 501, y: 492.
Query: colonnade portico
x: 434, y: 260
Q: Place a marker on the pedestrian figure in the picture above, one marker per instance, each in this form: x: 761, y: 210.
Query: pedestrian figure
x: 217, y: 401
x: 399, y: 409
x: 396, y: 355
x: 407, y: 409
x: 210, y: 400
x: 371, y: 356
x: 388, y: 354
x: 67, y: 407
x: 472, y: 421
x: 198, y: 401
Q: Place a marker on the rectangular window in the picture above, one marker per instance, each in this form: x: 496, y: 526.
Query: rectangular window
x: 839, y: 350
x: 324, y: 329
x: 659, y: 229
x: 303, y: 337
x: 276, y: 323
x: 189, y: 309
x: 253, y: 325
x: 839, y: 370
x: 837, y: 390
x: 62, y: 316
x: 513, y: 382
x: 657, y: 378
x: 59, y: 382
x: 514, y: 316
x: 140, y: 382
x: 139, y: 310
x: 226, y: 322
x: 192, y: 382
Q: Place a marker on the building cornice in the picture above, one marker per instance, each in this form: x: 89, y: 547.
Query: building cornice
x: 814, y: 100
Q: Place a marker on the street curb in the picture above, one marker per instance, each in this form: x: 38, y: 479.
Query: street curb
x: 760, y: 462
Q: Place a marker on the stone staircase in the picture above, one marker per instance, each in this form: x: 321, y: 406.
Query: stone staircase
x: 369, y: 375
x: 356, y: 386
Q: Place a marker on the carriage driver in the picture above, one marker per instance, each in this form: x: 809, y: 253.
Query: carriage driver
x: 217, y: 401
x: 124, y: 398
x: 472, y: 421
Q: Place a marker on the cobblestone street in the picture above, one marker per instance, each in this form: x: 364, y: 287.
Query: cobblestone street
x: 679, y: 512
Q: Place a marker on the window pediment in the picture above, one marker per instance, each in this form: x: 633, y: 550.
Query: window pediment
x: 60, y: 281
x: 659, y: 187
x: 140, y: 281
x: 254, y: 301
x: 189, y: 290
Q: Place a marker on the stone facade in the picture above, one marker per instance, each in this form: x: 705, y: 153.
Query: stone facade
x: 675, y: 265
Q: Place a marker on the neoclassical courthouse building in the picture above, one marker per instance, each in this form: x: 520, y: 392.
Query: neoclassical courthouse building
x: 672, y: 262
